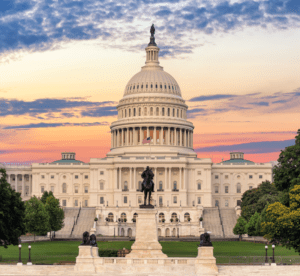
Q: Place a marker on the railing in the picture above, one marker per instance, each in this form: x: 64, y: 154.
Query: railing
x: 257, y: 260
x: 221, y: 221
x: 75, y: 221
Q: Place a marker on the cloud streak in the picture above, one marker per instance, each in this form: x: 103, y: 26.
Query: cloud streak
x: 43, y: 25
x: 253, y: 147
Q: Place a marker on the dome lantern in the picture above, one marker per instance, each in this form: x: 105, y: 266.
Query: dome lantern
x: 152, y: 50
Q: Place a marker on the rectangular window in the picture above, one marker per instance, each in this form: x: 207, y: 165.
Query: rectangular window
x: 226, y: 189
x: 216, y: 177
x: 260, y: 176
x: 216, y: 189
x: 199, y: 186
x: 76, y: 203
x: 101, y: 200
x: 76, y: 189
x: 250, y: 187
x: 199, y: 173
x: 64, y: 203
x: 175, y: 199
x: 85, y: 203
x: 199, y: 200
x: 76, y: 176
x: 250, y: 176
x: 52, y: 176
x: 42, y: 189
x: 52, y: 189
x: 86, y: 176
x: 226, y: 203
x: 226, y: 176
x: 101, y: 172
x: 101, y: 186
x: 139, y: 199
x: 86, y: 189
x: 42, y: 177
x: 160, y: 201
x: 125, y: 199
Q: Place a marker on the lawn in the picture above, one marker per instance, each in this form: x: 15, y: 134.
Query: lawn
x: 66, y: 251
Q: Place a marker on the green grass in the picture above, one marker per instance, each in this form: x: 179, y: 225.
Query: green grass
x: 67, y: 251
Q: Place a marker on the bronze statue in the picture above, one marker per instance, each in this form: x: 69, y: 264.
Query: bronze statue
x: 85, y: 238
x: 152, y: 30
x: 93, y: 240
x: 205, y: 240
x: 147, y: 186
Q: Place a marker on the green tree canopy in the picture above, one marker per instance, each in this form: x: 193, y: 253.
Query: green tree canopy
x: 45, y: 196
x: 251, y: 226
x: 12, y: 213
x: 282, y: 224
x: 287, y: 172
x: 255, y: 200
x: 240, y: 227
x: 56, y: 214
x: 36, y: 217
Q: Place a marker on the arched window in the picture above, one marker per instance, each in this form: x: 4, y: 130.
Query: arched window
x: 238, y: 188
x: 151, y: 85
x: 174, y: 216
x: 125, y: 186
x: 135, y: 215
x: 129, y: 113
x: 161, y: 217
x: 163, y: 111
x: 175, y: 185
x: 173, y: 112
x: 199, y: 186
x: 168, y: 111
x: 160, y: 185
x: 125, y: 113
x: 134, y: 112
x: 123, y: 217
x: 151, y: 111
x: 64, y: 188
x: 140, y: 111
x: 167, y: 232
x: 145, y: 111
x: 111, y: 217
x: 156, y: 86
x: 160, y: 86
x: 187, y: 217
x: 157, y: 111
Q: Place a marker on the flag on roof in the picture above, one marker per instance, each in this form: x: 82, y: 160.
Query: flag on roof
x: 147, y: 140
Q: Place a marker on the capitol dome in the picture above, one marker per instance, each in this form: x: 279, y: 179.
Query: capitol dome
x: 152, y: 115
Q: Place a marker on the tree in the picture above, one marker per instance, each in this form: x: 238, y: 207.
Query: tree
x: 56, y: 214
x: 12, y: 213
x: 251, y: 226
x: 240, y: 227
x: 281, y: 223
x: 287, y: 172
x: 36, y: 217
x: 256, y: 199
x: 45, y: 196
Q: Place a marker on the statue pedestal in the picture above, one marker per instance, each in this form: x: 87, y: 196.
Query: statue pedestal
x: 85, y: 258
x: 146, y: 243
x: 205, y: 263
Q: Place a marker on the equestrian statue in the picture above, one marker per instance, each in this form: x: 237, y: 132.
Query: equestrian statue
x: 147, y: 187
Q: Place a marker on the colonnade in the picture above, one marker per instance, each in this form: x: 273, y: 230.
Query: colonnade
x: 133, y: 181
x: 15, y: 183
x: 133, y: 136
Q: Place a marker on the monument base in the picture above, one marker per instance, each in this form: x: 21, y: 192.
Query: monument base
x: 85, y: 259
x: 146, y: 243
x: 205, y: 263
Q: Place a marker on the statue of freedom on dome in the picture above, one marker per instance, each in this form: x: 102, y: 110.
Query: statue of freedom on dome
x: 147, y: 186
x: 152, y: 30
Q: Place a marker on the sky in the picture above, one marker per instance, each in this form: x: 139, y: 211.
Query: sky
x: 64, y: 65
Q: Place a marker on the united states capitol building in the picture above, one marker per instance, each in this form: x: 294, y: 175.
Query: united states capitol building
x: 186, y: 187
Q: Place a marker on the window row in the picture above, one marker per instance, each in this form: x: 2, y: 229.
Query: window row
x: 226, y: 189
x: 158, y: 87
x: 250, y: 176
x: 75, y: 176
x: 152, y: 111
x: 76, y: 203
x: 64, y: 189
x: 226, y: 203
x: 123, y: 218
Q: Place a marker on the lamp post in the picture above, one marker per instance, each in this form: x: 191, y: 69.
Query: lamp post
x: 273, y: 259
x: 266, y: 259
x: 29, y: 259
x: 20, y: 261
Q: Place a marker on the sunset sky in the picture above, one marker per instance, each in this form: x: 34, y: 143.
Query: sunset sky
x: 64, y: 65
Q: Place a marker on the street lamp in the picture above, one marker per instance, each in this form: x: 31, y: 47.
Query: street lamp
x: 266, y: 259
x: 29, y: 259
x: 273, y: 261
x: 20, y: 261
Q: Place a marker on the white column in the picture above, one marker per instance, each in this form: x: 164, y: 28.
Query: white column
x: 175, y: 135
x: 166, y: 184
x: 120, y: 178
x: 154, y: 136
x: 134, y: 179
x: 127, y: 138
x: 141, y: 135
x: 121, y: 144
x: 169, y: 136
x: 184, y: 178
x: 189, y: 142
x: 116, y: 179
x: 155, y: 174
x: 112, y: 139
x: 180, y: 178
x: 9, y: 179
x: 23, y: 186
x: 161, y: 135
x: 16, y: 182
x: 192, y: 145
x: 30, y: 185
x: 130, y: 178
x: 170, y: 179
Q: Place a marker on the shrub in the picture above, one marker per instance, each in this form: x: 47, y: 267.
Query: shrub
x: 108, y: 252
